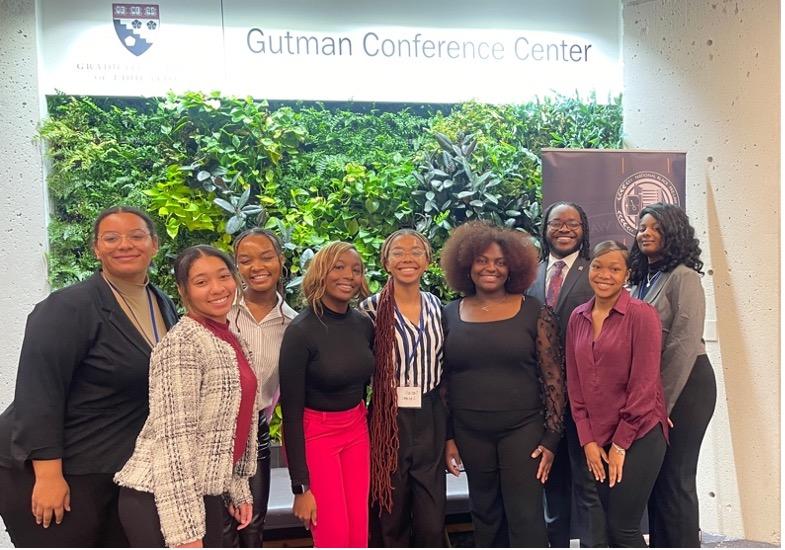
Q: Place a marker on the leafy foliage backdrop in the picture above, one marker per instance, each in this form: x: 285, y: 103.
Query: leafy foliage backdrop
x: 206, y: 167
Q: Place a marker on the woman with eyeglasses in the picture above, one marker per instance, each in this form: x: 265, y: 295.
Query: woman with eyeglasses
x: 408, y: 418
x: 82, y: 393
x: 260, y: 318
x: 666, y: 271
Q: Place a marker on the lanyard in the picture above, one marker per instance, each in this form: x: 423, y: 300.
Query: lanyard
x: 152, y: 315
x: 409, y: 359
x: 131, y: 310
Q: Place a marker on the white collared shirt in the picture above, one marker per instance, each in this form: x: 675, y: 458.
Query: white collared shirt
x: 264, y: 340
x: 568, y: 261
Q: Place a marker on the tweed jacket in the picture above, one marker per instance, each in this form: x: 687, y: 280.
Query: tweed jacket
x: 679, y: 299
x: 184, y: 450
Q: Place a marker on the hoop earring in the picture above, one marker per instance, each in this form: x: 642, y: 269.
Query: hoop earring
x: 284, y: 272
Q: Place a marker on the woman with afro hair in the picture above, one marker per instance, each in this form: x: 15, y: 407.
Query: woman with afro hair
x: 505, y: 385
x: 666, y: 269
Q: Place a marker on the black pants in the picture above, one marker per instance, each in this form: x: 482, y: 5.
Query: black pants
x: 505, y: 495
x: 253, y: 535
x: 673, y: 506
x: 625, y: 503
x: 570, y: 488
x: 419, y: 483
x: 92, y: 522
x: 140, y: 520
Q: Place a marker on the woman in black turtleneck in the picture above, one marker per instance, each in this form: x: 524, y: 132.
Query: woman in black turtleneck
x: 326, y: 362
x: 81, y: 393
x: 666, y: 270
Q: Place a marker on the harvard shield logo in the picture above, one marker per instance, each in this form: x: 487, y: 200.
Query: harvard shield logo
x: 136, y: 25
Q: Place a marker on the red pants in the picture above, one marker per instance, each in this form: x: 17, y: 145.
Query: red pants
x: 337, y: 451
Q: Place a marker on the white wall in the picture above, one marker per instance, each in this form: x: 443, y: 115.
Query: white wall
x: 22, y: 191
x: 703, y: 76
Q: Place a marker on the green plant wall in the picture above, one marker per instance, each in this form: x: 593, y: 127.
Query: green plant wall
x: 207, y: 166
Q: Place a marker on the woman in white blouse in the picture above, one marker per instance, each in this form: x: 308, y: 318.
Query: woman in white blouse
x: 260, y: 318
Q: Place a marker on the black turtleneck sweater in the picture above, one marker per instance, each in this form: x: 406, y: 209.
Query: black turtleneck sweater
x: 325, y: 365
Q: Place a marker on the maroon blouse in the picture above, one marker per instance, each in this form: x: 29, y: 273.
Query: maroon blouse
x: 247, y: 385
x: 614, y: 383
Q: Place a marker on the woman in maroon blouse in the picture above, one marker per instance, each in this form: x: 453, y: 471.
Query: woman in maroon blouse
x: 615, y: 391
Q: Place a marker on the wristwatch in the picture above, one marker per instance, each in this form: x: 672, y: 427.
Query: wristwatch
x: 299, y: 489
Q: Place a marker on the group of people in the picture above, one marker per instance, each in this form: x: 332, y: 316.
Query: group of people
x: 562, y: 373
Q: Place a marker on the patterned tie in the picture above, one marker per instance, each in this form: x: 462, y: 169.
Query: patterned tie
x: 554, y: 286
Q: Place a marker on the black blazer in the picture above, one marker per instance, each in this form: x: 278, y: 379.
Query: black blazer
x: 575, y: 290
x: 81, y: 387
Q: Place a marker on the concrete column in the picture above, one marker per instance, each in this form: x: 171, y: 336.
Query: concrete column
x: 704, y: 76
x: 23, y: 241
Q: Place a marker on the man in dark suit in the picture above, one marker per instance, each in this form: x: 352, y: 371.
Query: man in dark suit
x: 562, y: 282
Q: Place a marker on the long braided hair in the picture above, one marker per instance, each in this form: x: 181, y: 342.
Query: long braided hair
x: 384, y: 422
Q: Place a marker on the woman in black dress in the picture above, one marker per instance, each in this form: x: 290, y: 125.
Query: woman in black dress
x: 505, y: 385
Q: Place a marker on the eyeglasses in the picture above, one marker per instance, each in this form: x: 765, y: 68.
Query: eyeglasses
x: 414, y: 253
x: 558, y: 224
x: 113, y: 239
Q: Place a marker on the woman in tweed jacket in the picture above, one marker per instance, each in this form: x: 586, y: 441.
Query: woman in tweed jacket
x: 198, y: 444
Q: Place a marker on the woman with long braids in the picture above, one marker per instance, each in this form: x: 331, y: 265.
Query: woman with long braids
x: 260, y: 318
x: 326, y: 364
x: 408, y: 418
x: 666, y: 270
x: 505, y: 384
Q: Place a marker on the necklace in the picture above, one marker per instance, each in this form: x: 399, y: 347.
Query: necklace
x: 488, y: 306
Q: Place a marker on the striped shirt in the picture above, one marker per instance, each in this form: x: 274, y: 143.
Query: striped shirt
x: 264, y: 339
x: 419, y: 346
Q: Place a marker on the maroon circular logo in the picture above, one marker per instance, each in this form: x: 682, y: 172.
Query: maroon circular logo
x: 639, y: 191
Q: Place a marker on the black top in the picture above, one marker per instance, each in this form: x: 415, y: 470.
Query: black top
x: 512, y: 364
x: 81, y: 387
x: 325, y: 365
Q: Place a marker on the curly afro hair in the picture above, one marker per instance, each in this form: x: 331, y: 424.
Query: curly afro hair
x: 472, y: 239
x: 679, y: 245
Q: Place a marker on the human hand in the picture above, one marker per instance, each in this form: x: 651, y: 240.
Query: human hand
x: 452, y: 458
x: 242, y: 514
x: 51, y: 496
x: 304, y: 508
x: 594, y: 458
x: 545, y: 462
x: 615, y: 464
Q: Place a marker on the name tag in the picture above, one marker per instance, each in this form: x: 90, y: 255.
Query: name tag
x: 409, y: 397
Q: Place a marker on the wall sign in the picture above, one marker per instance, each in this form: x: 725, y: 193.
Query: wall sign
x: 442, y: 52
x: 613, y: 186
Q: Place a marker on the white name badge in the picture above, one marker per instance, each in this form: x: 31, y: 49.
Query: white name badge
x: 409, y: 397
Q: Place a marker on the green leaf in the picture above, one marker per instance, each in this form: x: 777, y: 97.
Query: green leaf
x: 226, y: 206
x: 234, y: 224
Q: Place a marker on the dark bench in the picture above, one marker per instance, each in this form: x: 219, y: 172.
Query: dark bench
x: 279, y: 512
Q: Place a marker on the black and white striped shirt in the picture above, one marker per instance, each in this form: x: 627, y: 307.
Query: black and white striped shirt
x: 419, y: 351
x: 264, y: 339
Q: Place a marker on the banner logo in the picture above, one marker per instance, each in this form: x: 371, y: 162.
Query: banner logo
x: 136, y: 25
x: 639, y: 191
